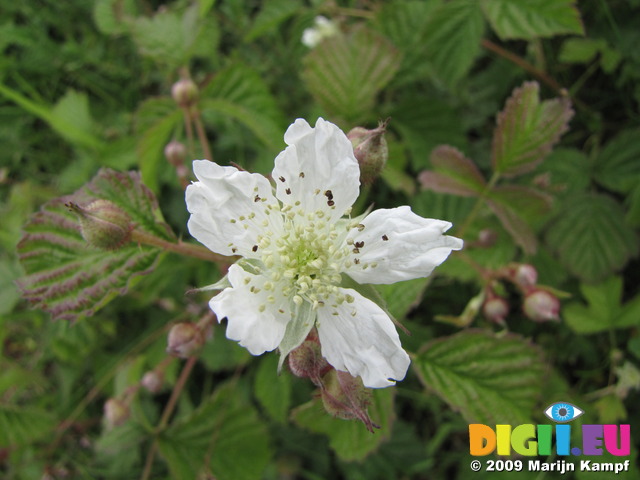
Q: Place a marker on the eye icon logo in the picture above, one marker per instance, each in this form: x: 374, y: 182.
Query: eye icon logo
x: 563, y: 412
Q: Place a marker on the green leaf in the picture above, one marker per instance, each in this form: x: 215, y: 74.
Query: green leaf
x: 345, y: 73
x: 273, y: 391
x: 591, y: 238
x: 516, y: 206
x: 20, y: 426
x: 71, y: 279
x: 224, y: 436
x: 452, y: 173
x: 401, y: 297
x: 527, y: 129
x: 490, y: 379
x: 529, y: 19
x: 618, y: 164
x: 452, y: 39
x: 350, y: 439
x: 604, y: 310
x: 270, y: 17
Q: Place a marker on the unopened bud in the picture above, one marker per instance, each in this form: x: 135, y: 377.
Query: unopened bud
x: 495, y: 309
x: 371, y: 151
x: 116, y: 412
x: 344, y: 396
x: 487, y: 238
x: 541, y: 306
x: 152, y: 381
x: 103, y: 224
x: 306, y: 361
x: 176, y: 153
x: 184, y: 92
x: 184, y: 340
x: 525, y: 275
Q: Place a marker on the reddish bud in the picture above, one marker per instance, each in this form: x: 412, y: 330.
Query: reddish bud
x: 116, y: 412
x: 152, y: 381
x: 176, y: 153
x: 103, y: 224
x: 495, y: 309
x: 371, y: 151
x: 541, y: 306
x: 184, y: 92
x: 306, y: 361
x: 184, y: 340
x: 525, y: 275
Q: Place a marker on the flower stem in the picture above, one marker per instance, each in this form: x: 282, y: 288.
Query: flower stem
x: 182, y: 248
x: 476, y: 208
x: 202, y: 136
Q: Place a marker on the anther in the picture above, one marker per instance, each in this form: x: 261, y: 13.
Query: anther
x: 282, y: 179
x: 385, y: 238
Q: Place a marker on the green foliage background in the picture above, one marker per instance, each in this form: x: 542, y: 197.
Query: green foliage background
x: 86, y: 85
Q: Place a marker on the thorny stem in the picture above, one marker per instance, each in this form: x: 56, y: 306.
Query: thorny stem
x: 476, y: 208
x: 166, y: 414
x: 181, y: 248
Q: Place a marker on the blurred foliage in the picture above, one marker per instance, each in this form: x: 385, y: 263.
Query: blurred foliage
x: 477, y: 92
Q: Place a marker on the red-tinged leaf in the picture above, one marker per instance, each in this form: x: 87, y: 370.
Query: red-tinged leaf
x: 453, y: 173
x: 527, y: 129
x: 69, y: 278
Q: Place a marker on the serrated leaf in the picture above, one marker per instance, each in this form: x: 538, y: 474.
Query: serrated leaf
x: 452, y: 39
x: 618, y: 163
x: 350, y: 439
x: 516, y: 206
x: 490, y: 379
x: 452, y: 173
x: 20, y: 426
x: 591, y: 238
x: 223, y: 436
x: 270, y: 17
x: 67, y: 277
x: 345, y: 73
x: 273, y: 391
x: 529, y: 19
x: 527, y: 129
x: 604, y: 310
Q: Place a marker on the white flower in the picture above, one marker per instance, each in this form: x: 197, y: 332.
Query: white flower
x: 323, y: 28
x: 297, y: 246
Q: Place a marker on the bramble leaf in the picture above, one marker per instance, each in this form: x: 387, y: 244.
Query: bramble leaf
x: 345, y: 74
x: 489, y: 379
x: 20, y: 426
x: 452, y: 173
x: 71, y: 279
x: 531, y: 19
x: 527, y: 129
x: 224, y: 436
x: 604, y: 310
x: 591, y: 238
x: 618, y: 164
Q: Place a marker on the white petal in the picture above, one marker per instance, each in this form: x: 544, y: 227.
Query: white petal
x: 317, y: 169
x: 360, y: 338
x: 254, y: 320
x: 228, y: 214
x: 396, y: 244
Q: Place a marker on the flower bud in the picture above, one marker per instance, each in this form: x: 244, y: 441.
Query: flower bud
x: 116, y: 412
x: 495, y: 309
x: 344, y: 396
x: 307, y: 360
x: 371, y: 151
x: 103, y: 224
x: 184, y: 92
x: 176, y: 153
x: 152, y: 381
x: 541, y: 306
x: 184, y: 340
x: 525, y: 275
